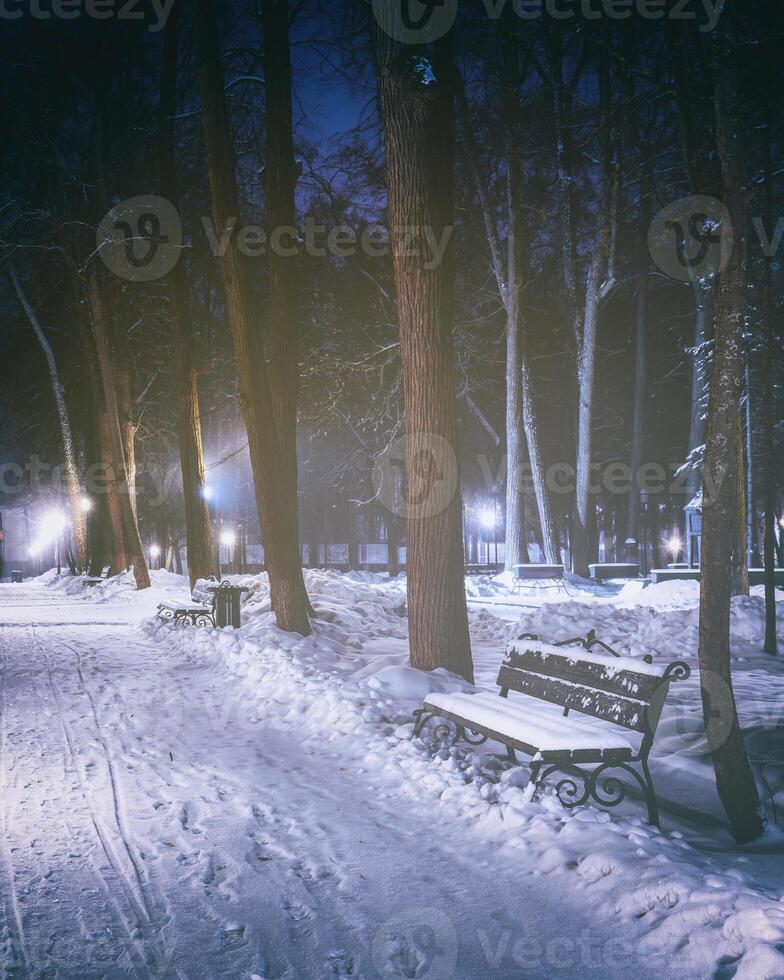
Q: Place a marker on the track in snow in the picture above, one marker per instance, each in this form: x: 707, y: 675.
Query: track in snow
x: 151, y: 830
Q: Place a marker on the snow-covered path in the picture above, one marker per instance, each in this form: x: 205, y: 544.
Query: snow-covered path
x: 150, y: 828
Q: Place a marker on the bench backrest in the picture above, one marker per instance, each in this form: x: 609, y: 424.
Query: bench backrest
x: 523, y: 572
x: 621, y: 690
x: 105, y: 571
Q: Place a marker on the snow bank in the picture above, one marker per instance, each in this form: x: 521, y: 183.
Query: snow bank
x: 349, y: 684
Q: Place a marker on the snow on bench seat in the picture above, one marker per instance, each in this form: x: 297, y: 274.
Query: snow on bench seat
x: 533, y: 723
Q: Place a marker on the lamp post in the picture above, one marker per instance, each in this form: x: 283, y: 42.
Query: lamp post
x: 229, y: 539
x: 488, y: 519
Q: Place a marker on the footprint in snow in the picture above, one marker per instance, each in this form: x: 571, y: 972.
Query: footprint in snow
x: 297, y: 912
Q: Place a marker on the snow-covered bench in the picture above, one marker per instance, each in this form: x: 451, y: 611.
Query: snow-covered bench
x: 98, y: 579
x: 619, y: 700
x: 199, y: 612
x: 537, y: 576
x: 606, y: 571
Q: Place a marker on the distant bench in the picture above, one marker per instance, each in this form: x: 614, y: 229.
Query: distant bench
x: 538, y: 576
x: 98, y: 579
x: 603, y: 571
x: 619, y: 702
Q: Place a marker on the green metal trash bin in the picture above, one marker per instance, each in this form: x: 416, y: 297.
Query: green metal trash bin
x: 227, y: 604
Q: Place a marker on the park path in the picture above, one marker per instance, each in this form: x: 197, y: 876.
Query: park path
x: 149, y: 829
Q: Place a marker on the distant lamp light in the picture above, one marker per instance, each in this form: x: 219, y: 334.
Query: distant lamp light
x: 781, y: 522
x: 85, y: 505
x: 155, y: 551
x: 51, y: 526
x: 487, y: 519
x: 674, y: 545
x: 207, y: 492
x: 228, y: 538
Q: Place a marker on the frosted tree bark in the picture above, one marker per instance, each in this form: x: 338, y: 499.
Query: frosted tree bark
x: 73, y: 486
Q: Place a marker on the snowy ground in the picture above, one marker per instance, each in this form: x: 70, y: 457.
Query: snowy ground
x: 201, y: 803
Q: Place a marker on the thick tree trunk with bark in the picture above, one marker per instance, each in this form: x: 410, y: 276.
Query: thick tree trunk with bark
x: 276, y: 500
x: 417, y: 100
x: 198, y: 527
x: 734, y: 778
x: 73, y: 486
x: 280, y: 180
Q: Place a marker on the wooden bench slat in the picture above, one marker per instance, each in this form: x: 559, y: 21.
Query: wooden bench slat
x: 603, y: 677
x: 626, y: 712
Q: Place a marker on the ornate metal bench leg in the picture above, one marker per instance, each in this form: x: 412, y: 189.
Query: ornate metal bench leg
x: 533, y: 782
x: 650, y: 795
x: 511, y: 755
x: 422, y: 717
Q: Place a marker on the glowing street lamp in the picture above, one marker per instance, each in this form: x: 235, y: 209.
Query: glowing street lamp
x: 50, y: 529
x: 228, y: 538
x: 207, y: 492
x: 674, y: 546
x: 85, y: 505
x: 155, y: 553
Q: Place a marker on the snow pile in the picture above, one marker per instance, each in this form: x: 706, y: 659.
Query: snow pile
x: 117, y: 588
x: 349, y: 684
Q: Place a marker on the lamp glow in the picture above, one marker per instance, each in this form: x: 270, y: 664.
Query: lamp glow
x: 228, y: 538
x: 207, y: 492
x: 674, y: 545
x: 85, y: 505
x: 50, y: 528
x: 487, y: 519
x: 155, y: 551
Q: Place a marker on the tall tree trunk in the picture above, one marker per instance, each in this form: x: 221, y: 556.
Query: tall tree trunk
x: 275, y: 501
x: 509, y: 274
x: 771, y: 643
x: 280, y: 180
x: 703, y: 290
x: 598, y: 285
x: 734, y: 778
x: 632, y: 546
x: 417, y: 102
x: 198, y: 527
x: 109, y: 510
x: 739, y: 562
x: 73, y: 486
x: 105, y: 358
